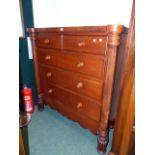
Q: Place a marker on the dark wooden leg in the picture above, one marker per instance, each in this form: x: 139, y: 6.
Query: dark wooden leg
x: 110, y: 153
x: 102, y: 140
x: 40, y: 102
x: 112, y: 124
x: 24, y: 132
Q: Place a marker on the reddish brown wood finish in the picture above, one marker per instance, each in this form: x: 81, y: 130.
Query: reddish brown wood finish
x: 74, y: 115
x: 123, y: 138
x: 131, y: 146
x: 21, y: 145
x: 53, y: 41
x: 82, y: 30
x: 78, y: 43
x: 72, y: 61
x: 88, y: 44
x: 83, y: 93
x: 110, y: 153
x: 74, y: 101
x: 117, y: 79
x: 72, y: 81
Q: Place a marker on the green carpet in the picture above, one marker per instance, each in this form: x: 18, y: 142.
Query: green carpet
x: 50, y: 133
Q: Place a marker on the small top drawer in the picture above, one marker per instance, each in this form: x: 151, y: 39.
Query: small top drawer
x: 54, y: 41
x: 88, y: 44
x: 90, y: 65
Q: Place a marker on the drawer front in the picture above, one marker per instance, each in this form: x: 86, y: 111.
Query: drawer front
x: 72, y: 81
x: 82, y: 63
x: 85, y: 122
x: 88, y: 44
x: 72, y: 101
x: 54, y: 41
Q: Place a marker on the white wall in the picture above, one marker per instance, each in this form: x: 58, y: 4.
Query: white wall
x: 20, y: 23
x: 61, y: 13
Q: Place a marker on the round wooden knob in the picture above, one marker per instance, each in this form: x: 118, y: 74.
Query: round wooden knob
x: 48, y: 57
x: 49, y: 74
x: 79, y: 85
x: 81, y: 44
x: 79, y: 105
x: 100, y: 39
x: 46, y: 41
x: 94, y: 40
x: 80, y: 64
x: 50, y: 91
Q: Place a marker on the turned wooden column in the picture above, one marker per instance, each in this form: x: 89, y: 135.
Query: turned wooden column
x: 113, y: 36
x: 39, y: 93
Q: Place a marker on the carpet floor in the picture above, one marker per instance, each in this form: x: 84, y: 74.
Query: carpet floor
x: 50, y: 133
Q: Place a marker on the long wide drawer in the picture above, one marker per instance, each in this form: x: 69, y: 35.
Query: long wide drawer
x: 72, y: 81
x: 71, y: 101
x: 83, y: 63
x: 84, y: 121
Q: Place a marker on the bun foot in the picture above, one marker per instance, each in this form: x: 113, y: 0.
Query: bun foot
x: 40, y: 103
x: 102, y: 141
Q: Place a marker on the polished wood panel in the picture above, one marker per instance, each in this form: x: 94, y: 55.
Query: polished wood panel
x: 123, y: 138
x: 21, y: 145
x: 131, y: 146
x: 89, y: 30
x: 88, y: 44
x: 110, y: 153
x: 53, y: 41
x: 84, y: 121
x: 114, y: 41
x: 118, y: 77
x: 74, y: 62
x: 73, y: 81
x: 81, y: 44
x: 81, y: 104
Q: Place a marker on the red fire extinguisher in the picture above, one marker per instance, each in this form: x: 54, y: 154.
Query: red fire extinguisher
x: 27, y: 99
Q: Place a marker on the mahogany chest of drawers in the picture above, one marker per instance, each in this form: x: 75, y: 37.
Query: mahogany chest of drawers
x: 74, y: 71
